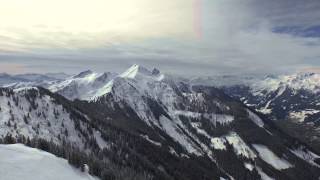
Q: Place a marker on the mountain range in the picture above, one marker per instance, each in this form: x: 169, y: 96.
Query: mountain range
x: 143, y: 124
x: 292, y: 101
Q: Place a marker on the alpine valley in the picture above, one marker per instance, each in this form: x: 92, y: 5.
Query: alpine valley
x: 146, y: 125
x: 292, y: 101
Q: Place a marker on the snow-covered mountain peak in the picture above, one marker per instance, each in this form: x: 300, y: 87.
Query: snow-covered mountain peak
x: 141, y: 76
x: 137, y: 71
x: 82, y: 86
x: 83, y: 74
x: 297, y: 81
x: 89, y: 85
x: 133, y: 71
x: 136, y: 79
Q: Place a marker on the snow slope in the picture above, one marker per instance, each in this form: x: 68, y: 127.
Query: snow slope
x: 35, y: 113
x: 268, y: 156
x: 82, y: 86
x: 21, y: 162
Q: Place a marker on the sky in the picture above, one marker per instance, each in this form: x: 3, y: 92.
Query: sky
x: 185, y: 37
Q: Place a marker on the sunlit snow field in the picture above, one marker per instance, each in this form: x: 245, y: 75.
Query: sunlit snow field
x: 19, y: 162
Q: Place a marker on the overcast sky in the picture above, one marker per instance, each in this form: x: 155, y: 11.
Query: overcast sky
x: 193, y: 37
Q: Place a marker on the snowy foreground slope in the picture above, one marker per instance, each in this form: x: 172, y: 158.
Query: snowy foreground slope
x: 21, y: 162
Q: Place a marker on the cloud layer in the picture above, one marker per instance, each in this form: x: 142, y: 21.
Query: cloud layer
x: 201, y: 37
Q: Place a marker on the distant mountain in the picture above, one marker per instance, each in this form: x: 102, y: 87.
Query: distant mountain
x: 220, y: 80
x: 84, y: 86
x: 24, y: 79
x: 35, y: 77
x: 294, y: 99
x: 8, y: 79
x: 57, y: 75
x: 143, y: 124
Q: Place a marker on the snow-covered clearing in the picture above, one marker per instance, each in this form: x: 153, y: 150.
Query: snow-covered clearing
x: 269, y: 157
